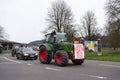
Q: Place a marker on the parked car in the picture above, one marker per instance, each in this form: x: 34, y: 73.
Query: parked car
x: 26, y: 53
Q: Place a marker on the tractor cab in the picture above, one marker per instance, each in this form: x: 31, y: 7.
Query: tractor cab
x: 56, y: 37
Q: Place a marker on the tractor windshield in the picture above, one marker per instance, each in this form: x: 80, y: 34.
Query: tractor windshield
x: 49, y: 38
x: 61, y: 37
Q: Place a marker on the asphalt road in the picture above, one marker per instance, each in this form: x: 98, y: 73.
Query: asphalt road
x: 13, y: 69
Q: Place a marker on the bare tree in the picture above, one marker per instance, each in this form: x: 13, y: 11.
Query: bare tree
x: 1, y: 32
x: 60, y: 18
x: 113, y: 10
x: 3, y: 35
x: 113, y: 22
x: 88, y: 27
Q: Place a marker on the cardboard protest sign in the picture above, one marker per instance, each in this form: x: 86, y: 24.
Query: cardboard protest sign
x: 79, y: 51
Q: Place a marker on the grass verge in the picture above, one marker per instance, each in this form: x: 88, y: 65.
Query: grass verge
x: 6, y: 52
x: 107, y: 55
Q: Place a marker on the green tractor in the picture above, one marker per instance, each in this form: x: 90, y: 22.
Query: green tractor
x: 58, y: 48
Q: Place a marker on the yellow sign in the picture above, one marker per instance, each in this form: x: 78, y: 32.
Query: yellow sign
x: 91, y: 45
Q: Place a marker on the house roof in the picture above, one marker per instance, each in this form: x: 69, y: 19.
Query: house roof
x: 10, y: 42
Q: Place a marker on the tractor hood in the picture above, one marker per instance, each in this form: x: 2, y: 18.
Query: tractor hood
x: 68, y: 47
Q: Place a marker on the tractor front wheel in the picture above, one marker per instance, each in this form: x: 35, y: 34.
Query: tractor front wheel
x: 44, y: 56
x: 61, y: 58
x: 78, y: 62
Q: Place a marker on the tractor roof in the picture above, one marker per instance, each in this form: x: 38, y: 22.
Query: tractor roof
x: 57, y: 33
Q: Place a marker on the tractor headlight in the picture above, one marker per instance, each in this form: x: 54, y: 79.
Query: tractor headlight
x: 25, y: 54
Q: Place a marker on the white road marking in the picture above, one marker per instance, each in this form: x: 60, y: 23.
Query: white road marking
x: 114, y: 66
x: 94, y: 76
x: 99, y: 77
x: 12, y: 60
x: 5, y: 54
x: 7, y: 63
x: 29, y: 64
x: 54, y: 69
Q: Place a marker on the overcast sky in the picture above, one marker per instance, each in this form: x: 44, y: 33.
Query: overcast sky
x: 24, y: 20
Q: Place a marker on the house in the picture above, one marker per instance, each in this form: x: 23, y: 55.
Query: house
x: 6, y: 44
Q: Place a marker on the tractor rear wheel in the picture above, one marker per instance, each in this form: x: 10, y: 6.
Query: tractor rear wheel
x: 78, y: 62
x: 44, y: 56
x: 61, y: 58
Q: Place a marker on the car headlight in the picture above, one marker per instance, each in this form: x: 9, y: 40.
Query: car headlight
x: 36, y: 54
x: 25, y: 54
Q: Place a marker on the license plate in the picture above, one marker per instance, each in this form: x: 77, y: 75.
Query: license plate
x: 31, y: 55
